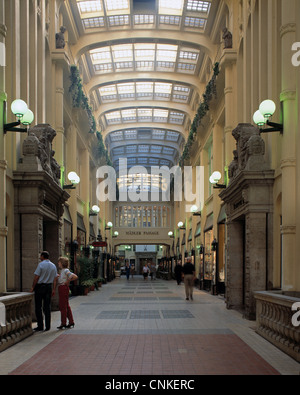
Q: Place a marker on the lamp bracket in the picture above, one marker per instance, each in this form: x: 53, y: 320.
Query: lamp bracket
x: 11, y: 127
x: 220, y: 186
x: 69, y: 186
x: 275, y: 127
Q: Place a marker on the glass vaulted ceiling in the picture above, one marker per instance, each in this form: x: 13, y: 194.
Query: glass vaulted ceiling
x: 143, y: 105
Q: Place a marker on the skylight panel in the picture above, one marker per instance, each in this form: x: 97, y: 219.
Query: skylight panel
x: 89, y: 6
x: 145, y: 112
x: 143, y: 19
x: 161, y: 87
x: 126, y: 88
x: 122, y: 52
x: 90, y: 23
x: 144, y: 87
x: 129, y: 115
x: 171, y: 7
x: 156, y: 149
x: 117, y: 5
x: 116, y: 136
x: 130, y: 134
x: 188, y: 55
x: 143, y: 148
x: 112, y: 117
x: 130, y: 149
x: 108, y: 90
x: 198, y: 5
x: 172, y: 136
x: 100, y: 55
x: 195, y: 22
x: 170, y: 20
x: 158, y: 134
x: 167, y: 53
x: 144, y: 52
x: 118, y: 20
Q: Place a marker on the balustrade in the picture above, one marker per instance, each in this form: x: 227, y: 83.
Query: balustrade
x: 274, y: 321
x: 17, y: 324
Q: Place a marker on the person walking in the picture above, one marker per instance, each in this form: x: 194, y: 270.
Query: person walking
x: 64, y: 278
x: 189, y: 278
x: 132, y: 270
x: 153, y: 271
x: 178, y: 273
x: 43, y: 286
x: 127, y: 270
x: 145, y: 271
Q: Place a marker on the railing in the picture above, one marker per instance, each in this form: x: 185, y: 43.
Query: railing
x: 15, y: 318
x: 274, y: 321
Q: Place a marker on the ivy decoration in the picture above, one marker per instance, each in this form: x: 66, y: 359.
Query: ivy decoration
x: 210, y: 92
x: 79, y: 100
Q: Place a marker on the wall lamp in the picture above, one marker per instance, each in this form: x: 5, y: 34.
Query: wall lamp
x: 171, y: 235
x: 181, y: 225
x: 94, y: 211
x: 261, y: 117
x: 116, y: 234
x: 195, y: 210
x: 214, y: 245
x: 214, y: 180
x: 21, y: 111
x: 74, y: 179
x: 108, y: 225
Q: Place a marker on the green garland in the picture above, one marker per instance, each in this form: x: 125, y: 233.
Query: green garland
x: 203, y: 108
x: 79, y: 99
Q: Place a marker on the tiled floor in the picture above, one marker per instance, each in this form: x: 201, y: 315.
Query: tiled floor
x: 148, y: 328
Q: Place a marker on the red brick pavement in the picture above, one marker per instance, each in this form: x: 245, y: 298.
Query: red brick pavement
x: 149, y: 354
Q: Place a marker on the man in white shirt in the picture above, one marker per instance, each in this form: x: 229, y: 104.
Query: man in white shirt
x: 44, y: 284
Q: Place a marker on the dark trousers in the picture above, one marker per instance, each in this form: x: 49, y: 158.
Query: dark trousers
x: 42, y: 297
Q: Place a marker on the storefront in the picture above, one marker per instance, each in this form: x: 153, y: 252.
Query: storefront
x: 221, y: 257
x: 198, y: 263
x: 209, y: 255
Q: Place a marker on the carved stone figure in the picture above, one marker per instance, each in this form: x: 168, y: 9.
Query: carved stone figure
x: 60, y: 38
x: 234, y: 165
x: 227, y: 37
x: 38, y: 153
x: 250, y: 150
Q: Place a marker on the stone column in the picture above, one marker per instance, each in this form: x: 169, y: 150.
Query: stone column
x: 255, y: 259
x: 235, y: 265
x: 228, y: 61
x: 288, y: 161
x: 3, y: 162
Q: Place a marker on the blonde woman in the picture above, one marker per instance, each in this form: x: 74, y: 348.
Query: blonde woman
x: 65, y: 276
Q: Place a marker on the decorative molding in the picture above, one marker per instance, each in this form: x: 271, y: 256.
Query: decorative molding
x: 288, y: 162
x: 3, y: 164
x: 287, y: 95
x: 288, y: 229
x: 287, y: 28
x: 3, y: 231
